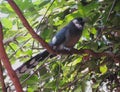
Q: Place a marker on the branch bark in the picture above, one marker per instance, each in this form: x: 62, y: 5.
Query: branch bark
x: 4, y: 89
x: 91, y: 53
x: 7, y: 65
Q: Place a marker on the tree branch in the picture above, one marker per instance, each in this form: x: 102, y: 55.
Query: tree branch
x: 90, y: 52
x: 6, y: 63
x: 4, y: 89
x: 111, y: 9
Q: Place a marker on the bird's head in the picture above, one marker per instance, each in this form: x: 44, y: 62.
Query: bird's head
x: 79, y: 22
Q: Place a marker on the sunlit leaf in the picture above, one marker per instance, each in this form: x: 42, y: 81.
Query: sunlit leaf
x: 78, y: 60
x: 103, y: 69
x: 7, y: 23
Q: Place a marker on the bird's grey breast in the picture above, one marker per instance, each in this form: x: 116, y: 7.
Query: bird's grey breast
x: 71, y: 38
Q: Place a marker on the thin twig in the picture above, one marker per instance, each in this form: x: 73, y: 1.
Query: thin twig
x: 111, y: 9
x: 45, y: 14
x: 19, y: 48
x: 11, y: 39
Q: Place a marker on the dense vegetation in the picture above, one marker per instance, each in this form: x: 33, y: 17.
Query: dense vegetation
x: 96, y: 72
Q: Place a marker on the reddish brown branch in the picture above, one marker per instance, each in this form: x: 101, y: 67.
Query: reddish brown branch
x: 89, y: 52
x: 7, y: 65
x: 28, y: 27
x: 82, y: 51
x: 4, y: 89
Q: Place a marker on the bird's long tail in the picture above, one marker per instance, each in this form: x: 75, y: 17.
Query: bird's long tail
x: 31, y: 63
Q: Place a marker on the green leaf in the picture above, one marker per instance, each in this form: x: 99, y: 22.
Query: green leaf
x: 86, y: 34
x: 43, y: 3
x: 7, y: 23
x: 103, y: 48
x: 14, y: 46
x: 103, y: 69
x: 57, y: 23
x: 93, y: 30
x: 30, y: 89
x: 28, y: 52
x: 32, y: 80
x: 76, y: 61
x: 45, y: 34
x: 88, y: 8
x: 50, y: 84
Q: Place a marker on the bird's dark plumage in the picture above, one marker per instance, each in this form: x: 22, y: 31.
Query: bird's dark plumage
x: 67, y: 37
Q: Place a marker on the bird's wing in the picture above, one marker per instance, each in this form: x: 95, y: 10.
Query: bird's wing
x: 59, y: 38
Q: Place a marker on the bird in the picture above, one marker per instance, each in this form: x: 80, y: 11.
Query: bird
x: 66, y: 39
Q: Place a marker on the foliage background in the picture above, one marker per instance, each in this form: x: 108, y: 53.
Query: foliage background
x: 75, y: 73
